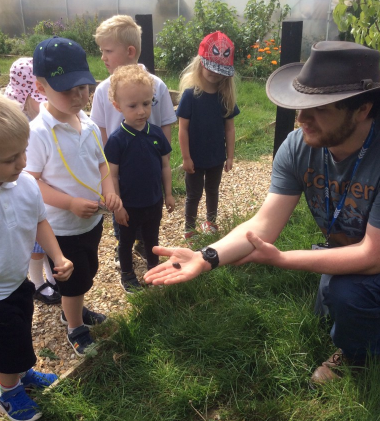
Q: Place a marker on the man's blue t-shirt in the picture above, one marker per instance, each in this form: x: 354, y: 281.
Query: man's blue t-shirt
x: 207, y: 141
x: 139, y: 157
x: 299, y: 168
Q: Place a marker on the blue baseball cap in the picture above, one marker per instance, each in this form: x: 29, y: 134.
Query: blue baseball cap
x: 62, y: 62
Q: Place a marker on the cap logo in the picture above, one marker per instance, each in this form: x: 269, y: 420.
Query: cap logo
x: 59, y: 71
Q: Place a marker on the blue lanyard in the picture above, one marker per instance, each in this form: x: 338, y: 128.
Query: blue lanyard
x: 360, y: 156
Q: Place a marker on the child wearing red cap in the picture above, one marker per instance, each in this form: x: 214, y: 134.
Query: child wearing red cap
x: 206, y: 126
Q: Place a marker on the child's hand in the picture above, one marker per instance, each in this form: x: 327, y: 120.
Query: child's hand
x: 113, y: 202
x: 83, y: 208
x: 228, y: 165
x: 64, y: 269
x: 122, y: 217
x: 169, y: 203
x: 188, y: 166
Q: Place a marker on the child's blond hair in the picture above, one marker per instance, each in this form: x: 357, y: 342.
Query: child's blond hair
x: 121, y: 29
x: 125, y: 75
x: 14, y: 125
x: 191, y: 77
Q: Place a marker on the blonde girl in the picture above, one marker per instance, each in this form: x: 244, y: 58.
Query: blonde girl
x: 206, y: 126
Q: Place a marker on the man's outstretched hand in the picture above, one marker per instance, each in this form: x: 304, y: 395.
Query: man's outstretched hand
x: 183, y: 265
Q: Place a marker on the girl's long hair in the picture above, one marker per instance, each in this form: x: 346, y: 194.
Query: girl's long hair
x: 191, y: 77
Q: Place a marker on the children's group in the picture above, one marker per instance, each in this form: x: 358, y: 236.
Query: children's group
x: 62, y: 170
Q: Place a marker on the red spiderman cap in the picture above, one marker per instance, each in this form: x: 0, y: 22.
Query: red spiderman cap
x: 217, y: 54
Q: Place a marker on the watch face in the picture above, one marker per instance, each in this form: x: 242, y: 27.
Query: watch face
x: 211, y: 253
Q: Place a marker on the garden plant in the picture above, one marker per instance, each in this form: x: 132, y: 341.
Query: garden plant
x: 358, y: 20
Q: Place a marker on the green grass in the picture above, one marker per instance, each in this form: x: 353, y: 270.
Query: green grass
x: 239, y: 342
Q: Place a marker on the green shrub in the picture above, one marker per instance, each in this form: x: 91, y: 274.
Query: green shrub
x: 3, y: 43
x: 49, y: 28
x: 176, y: 43
x: 179, y: 40
x: 82, y: 30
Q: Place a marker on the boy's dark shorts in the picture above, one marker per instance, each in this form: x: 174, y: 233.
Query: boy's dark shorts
x: 82, y: 250
x: 16, y: 345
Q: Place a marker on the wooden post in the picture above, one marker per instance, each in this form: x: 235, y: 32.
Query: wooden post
x: 147, y: 51
x: 291, y: 39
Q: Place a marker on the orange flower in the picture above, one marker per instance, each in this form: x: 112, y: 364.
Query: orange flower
x: 259, y: 58
x: 275, y: 48
x: 255, y: 46
x: 274, y: 62
x: 261, y: 50
x: 248, y: 56
x: 272, y: 40
x: 266, y: 48
x: 268, y: 52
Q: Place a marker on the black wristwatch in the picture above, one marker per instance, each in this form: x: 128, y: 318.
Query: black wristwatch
x: 211, y: 256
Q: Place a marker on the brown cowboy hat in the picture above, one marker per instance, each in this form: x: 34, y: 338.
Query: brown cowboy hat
x: 335, y: 70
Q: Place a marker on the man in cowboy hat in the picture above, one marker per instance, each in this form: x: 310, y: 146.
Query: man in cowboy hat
x: 332, y: 159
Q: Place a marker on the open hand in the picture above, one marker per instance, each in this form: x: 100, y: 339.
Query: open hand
x: 187, y: 265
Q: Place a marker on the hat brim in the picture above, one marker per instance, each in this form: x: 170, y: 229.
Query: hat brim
x: 220, y: 69
x: 280, y: 90
x: 67, y: 81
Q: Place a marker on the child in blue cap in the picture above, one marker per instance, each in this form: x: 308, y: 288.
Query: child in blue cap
x: 66, y: 157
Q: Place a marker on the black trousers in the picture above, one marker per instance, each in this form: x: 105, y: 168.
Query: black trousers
x: 208, y: 179
x: 149, y: 218
x: 16, y: 344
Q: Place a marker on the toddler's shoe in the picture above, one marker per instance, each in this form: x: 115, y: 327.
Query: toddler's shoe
x: 80, y: 339
x: 209, y: 227
x: 139, y: 248
x: 18, y: 406
x: 130, y: 282
x: 36, y: 380
x: 90, y: 318
x: 54, y: 298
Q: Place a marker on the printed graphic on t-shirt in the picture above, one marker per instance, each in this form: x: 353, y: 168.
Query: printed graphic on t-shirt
x: 348, y: 228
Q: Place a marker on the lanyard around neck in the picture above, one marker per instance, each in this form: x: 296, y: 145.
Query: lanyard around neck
x: 340, y: 205
x: 70, y: 170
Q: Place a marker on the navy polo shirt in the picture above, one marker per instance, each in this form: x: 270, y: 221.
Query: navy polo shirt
x: 139, y: 157
x: 207, y: 138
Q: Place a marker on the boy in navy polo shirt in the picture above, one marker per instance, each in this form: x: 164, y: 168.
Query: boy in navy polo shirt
x: 138, y: 155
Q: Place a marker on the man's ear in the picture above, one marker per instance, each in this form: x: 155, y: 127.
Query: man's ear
x: 116, y: 105
x: 364, y: 110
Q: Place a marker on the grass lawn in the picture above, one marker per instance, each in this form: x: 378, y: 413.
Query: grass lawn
x: 236, y: 344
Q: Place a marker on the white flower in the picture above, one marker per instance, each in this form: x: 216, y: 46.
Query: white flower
x: 348, y: 3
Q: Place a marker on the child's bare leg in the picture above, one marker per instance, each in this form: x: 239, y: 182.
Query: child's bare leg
x: 73, y: 307
x: 9, y: 380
